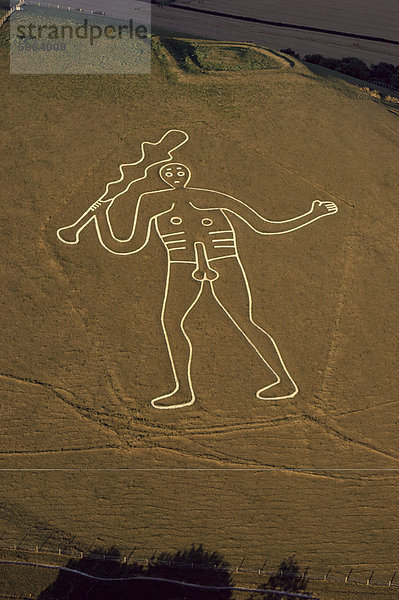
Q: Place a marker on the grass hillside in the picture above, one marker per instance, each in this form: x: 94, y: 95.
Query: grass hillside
x: 83, y: 453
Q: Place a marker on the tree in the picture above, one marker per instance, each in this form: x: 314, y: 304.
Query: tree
x: 330, y: 63
x: 354, y: 67
x: 395, y: 81
x: 194, y: 565
x: 291, y: 52
x: 382, y: 72
x: 287, y: 578
x: 313, y: 58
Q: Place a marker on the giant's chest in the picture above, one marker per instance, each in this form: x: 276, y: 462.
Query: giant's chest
x: 196, y: 224
x: 181, y: 227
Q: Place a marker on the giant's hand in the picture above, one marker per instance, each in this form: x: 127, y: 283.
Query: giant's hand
x: 323, y: 209
x: 70, y: 234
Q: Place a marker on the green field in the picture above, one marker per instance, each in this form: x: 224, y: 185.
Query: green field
x: 83, y: 453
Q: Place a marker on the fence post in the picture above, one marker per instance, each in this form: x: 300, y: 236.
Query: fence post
x: 241, y: 563
x: 262, y: 567
x: 391, y: 580
x: 92, y: 545
x: 69, y: 543
x: 47, y: 539
x: 327, y: 574
x: 23, y: 539
x: 348, y: 575
x: 369, y: 578
x: 131, y: 554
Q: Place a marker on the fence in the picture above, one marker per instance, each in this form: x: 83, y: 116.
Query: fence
x: 9, y: 12
x: 176, y: 582
x: 386, y: 85
x: 5, y: 17
x: 349, y: 576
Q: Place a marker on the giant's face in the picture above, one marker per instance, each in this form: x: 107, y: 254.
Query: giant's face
x: 175, y: 174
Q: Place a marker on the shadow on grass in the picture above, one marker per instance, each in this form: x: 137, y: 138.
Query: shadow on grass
x: 194, y: 565
x: 287, y: 578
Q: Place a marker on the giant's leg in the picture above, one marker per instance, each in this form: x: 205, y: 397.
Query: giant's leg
x: 181, y: 295
x: 233, y: 294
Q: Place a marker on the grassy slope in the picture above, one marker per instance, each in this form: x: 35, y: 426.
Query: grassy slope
x: 278, y: 139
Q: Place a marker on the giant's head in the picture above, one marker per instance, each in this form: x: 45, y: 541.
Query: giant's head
x: 175, y: 174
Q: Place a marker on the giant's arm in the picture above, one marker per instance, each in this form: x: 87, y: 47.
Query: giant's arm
x: 267, y: 227
x: 146, y: 211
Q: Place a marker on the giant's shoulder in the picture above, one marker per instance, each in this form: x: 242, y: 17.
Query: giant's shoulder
x: 205, y: 198
x: 159, y: 200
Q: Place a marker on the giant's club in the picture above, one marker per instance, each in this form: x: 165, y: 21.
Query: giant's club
x: 150, y: 157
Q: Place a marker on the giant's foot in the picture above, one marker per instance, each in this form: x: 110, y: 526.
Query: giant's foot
x: 280, y: 390
x: 177, y: 399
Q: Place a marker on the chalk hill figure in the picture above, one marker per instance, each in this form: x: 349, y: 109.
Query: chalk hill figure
x: 198, y: 233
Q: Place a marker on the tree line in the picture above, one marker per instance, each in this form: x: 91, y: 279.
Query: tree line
x: 383, y: 73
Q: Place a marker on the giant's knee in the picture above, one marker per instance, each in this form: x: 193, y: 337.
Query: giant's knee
x: 172, y: 325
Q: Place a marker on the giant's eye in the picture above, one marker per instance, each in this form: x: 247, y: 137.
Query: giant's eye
x: 181, y: 173
x: 169, y: 174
